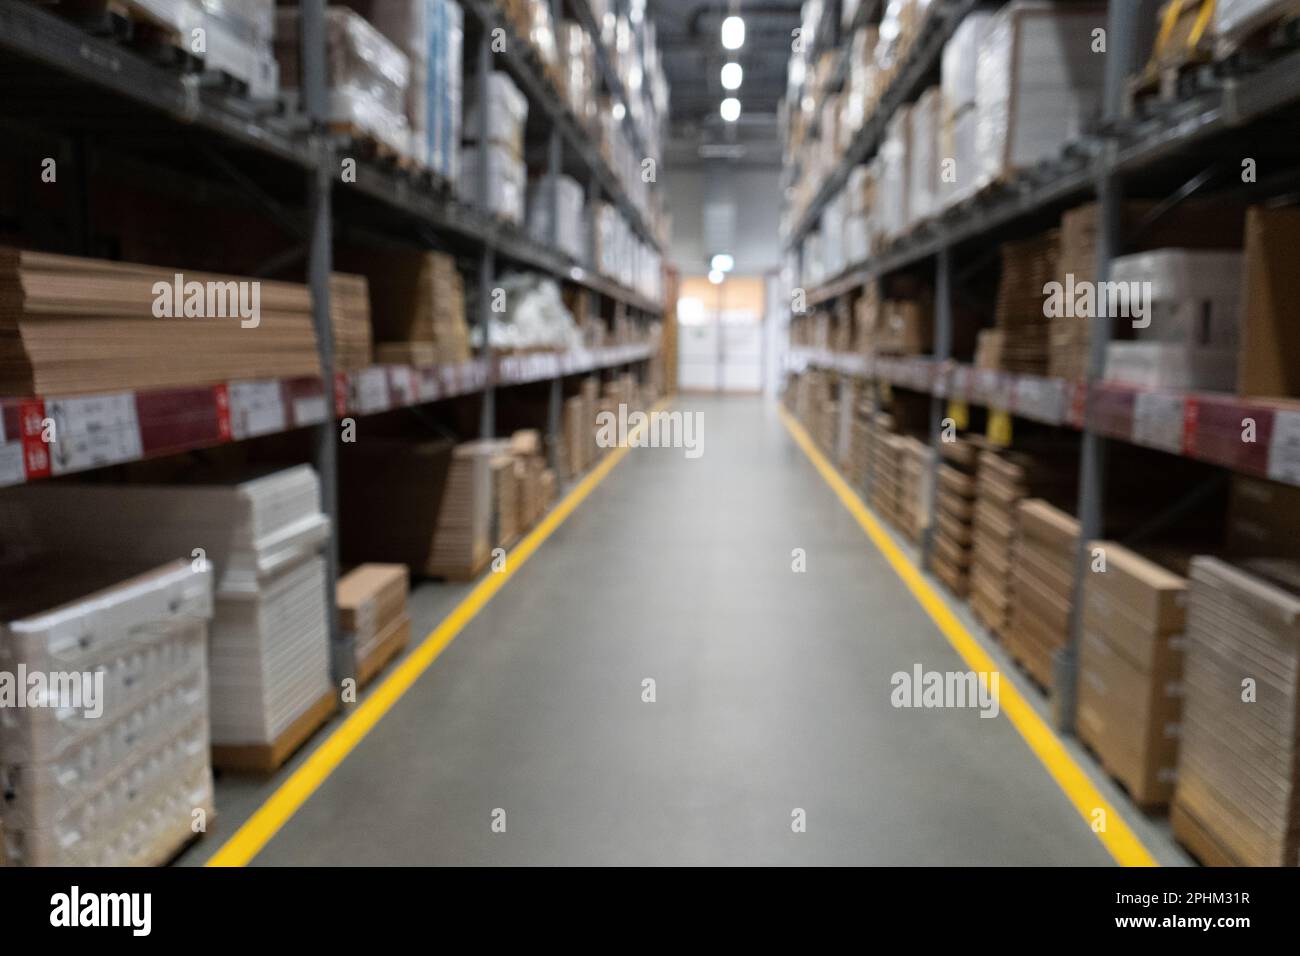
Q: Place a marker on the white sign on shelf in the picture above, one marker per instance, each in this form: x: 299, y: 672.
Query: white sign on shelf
x: 93, y: 431
x: 1284, y: 450
x: 256, y: 408
x: 1040, y: 399
x: 1158, y: 421
x: 11, y: 463
x: 309, y: 410
x: 369, y: 389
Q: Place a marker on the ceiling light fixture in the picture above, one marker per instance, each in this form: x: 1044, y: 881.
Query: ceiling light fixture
x: 732, y: 76
x: 722, y: 263
x: 716, y: 277
x: 730, y: 109
x: 733, y: 33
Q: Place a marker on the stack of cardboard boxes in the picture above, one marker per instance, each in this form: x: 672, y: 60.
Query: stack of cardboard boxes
x: 885, y: 467
x: 1042, y: 578
x: 1237, y: 801
x: 1130, y: 670
x: 372, y: 609
x: 954, y: 516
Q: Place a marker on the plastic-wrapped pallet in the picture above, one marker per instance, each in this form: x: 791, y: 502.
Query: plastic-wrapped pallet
x: 113, y: 778
x: 923, y: 175
x: 446, y: 54
x: 567, y: 195
x: 269, y: 648
x: 1039, y: 82
x: 578, y: 61
x: 507, y: 113
x: 535, y: 317
x: 1236, y: 20
x: 1188, y: 337
x: 894, y: 190
x: 833, y: 235
x: 959, y: 121
x: 368, y: 76
x: 239, y: 38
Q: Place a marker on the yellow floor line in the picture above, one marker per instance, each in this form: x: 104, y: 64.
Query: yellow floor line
x: 258, y: 829
x: 1120, y: 841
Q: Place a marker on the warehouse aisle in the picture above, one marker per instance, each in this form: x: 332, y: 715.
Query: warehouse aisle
x: 772, y: 693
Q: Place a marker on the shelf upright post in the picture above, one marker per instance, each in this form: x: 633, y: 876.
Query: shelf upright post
x: 320, y: 256
x: 1122, y: 29
x: 942, y: 354
x: 487, y: 260
x: 554, y: 168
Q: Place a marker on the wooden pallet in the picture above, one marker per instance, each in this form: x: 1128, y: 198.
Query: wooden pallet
x: 1197, y: 840
x: 370, y: 148
x: 1145, y: 804
x: 267, y: 758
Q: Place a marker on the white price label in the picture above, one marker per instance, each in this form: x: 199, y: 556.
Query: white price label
x: 309, y: 410
x: 256, y: 408
x: 370, y: 390
x: 1284, y: 451
x: 93, y: 431
x: 1042, y: 399
x: 1158, y: 421
x: 11, y: 464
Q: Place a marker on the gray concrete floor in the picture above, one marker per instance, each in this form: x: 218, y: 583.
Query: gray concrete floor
x: 773, y: 693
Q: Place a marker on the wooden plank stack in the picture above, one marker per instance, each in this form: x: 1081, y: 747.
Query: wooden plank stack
x: 999, y: 486
x: 950, y: 559
x: 1042, y: 579
x: 372, y: 608
x: 1237, y: 799
x: 70, y: 325
x: 417, y: 305
x: 1130, y: 671
x: 350, y: 318
x: 1027, y: 266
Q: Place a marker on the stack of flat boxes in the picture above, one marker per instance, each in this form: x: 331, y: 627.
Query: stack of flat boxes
x: 859, y: 446
x: 913, y: 493
x: 1027, y: 267
x: 1130, y: 671
x: 1042, y: 579
x: 954, y: 513
x: 372, y: 608
x: 885, y: 467
x: 1238, y: 794
x: 121, y: 787
x: 999, y: 486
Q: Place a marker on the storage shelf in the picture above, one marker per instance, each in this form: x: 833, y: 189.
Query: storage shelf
x: 1138, y: 145
x: 179, y: 106
x: 922, y: 60
x: 113, y: 428
x: 1206, y: 426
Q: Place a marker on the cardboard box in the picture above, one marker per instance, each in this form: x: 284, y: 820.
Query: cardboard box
x: 1145, y: 593
x: 1269, y: 360
x: 1131, y: 719
x: 1263, y: 519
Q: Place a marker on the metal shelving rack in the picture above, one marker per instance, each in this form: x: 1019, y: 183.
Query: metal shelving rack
x: 91, y: 83
x: 1101, y: 167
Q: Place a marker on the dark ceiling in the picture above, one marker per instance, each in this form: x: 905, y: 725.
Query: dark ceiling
x: 689, y: 33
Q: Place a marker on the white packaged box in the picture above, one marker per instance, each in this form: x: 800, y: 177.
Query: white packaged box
x: 239, y: 37
x: 895, y: 190
x: 507, y: 113
x: 113, y: 780
x: 1191, y: 296
x: 1170, y: 365
x: 1038, y: 84
x: 570, y: 202
x: 958, y: 69
x: 923, y: 157
x: 507, y: 181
